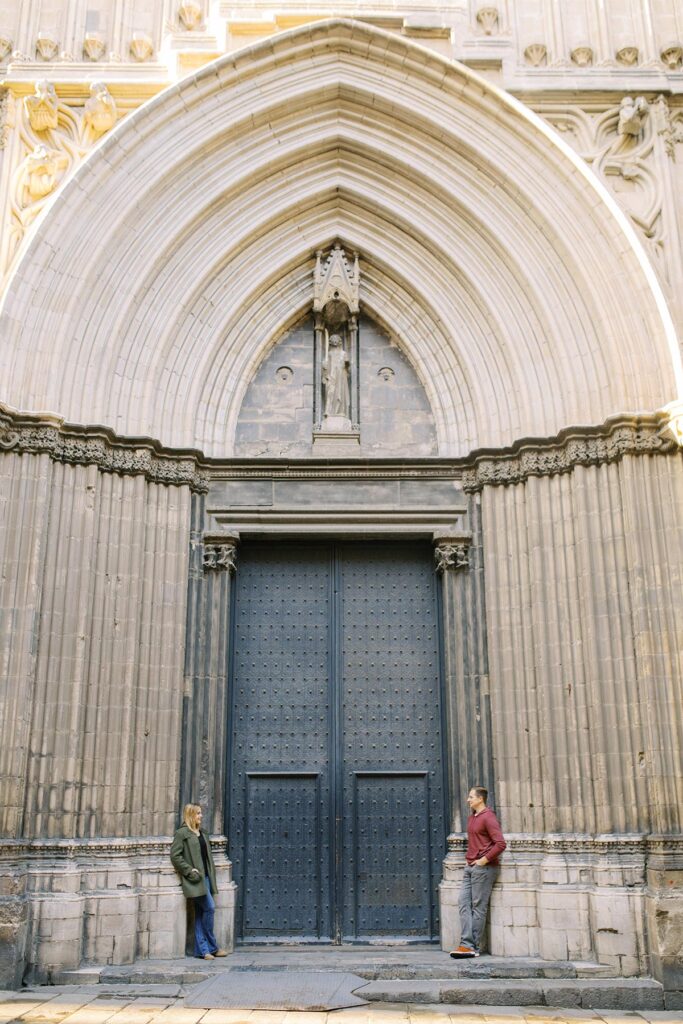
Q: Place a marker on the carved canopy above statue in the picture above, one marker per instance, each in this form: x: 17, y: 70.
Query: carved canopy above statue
x: 183, y: 249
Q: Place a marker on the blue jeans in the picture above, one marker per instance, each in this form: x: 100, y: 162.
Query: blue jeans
x: 204, y: 910
x: 474, y: 903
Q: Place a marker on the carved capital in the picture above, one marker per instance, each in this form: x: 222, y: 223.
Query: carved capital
x: 220, y: 557
x: 451, y: 554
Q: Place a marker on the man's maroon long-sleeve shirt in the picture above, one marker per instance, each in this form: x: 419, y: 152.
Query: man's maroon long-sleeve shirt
x: 484, y: 837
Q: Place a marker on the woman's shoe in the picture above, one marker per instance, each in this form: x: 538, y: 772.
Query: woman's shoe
x: 221, y: 952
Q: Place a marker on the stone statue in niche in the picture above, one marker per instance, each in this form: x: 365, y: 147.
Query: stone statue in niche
x: 336, y: 397
x: 336, y: 380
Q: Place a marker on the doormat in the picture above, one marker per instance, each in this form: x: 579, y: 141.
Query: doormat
x: 277, y: 990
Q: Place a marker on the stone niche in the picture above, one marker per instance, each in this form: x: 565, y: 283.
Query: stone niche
x: 276, y: 417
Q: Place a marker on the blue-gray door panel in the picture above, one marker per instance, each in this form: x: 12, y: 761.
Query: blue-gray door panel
x: 391, y: 876
x: 336, y: 797
x: 282, y: 869
x: 390, y: 696
x: 281, y: 725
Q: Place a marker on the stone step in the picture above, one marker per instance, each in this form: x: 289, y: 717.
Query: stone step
x: 370, y: 963
x: 597, y: 993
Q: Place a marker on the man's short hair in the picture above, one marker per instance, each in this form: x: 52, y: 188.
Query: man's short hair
x: 482, y: 793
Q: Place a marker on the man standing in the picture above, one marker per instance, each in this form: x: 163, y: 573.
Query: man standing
x: 485, y: 844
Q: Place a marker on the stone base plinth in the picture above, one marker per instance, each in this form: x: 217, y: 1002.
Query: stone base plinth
x: 96, y: 902
x: 329, y: 444
x: 581, y: 898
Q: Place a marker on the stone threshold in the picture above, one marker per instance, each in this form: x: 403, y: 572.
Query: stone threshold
x: 372, y: 962
x: 419, y: 975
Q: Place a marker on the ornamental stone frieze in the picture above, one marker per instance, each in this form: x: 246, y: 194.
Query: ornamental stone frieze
x: 657, y: 434
x: 576, y: 446
x: 100, y: 447
x: 606, y: 846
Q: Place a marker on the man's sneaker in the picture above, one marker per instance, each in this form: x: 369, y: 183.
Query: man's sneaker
x: 462, y: 953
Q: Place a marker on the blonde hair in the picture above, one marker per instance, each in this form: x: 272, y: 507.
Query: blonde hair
x: 190, y: 816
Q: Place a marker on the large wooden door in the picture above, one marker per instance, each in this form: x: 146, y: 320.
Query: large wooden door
x: 336, y: 787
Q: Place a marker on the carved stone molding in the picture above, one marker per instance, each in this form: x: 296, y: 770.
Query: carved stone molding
x: 658, y: 433
x: 220, y: 557
x: 610, y: 844
x: 91, y: 849
x: 575, y: 446
x: 101, y: 447
x: 451, y: 555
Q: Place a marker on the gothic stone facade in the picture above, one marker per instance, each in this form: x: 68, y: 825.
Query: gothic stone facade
x: 501, y: 184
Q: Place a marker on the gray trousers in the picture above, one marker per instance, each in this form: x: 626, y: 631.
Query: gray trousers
x: 477, y: 883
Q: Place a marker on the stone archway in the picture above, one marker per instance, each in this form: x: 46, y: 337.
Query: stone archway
x: 186, y: 239
x: 146, y: 300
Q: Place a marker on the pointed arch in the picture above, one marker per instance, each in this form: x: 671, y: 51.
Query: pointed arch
x: 185, y: 244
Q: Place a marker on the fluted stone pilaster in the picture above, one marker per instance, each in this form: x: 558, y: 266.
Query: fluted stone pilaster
x: 207, y: 655
x: 458, y: 562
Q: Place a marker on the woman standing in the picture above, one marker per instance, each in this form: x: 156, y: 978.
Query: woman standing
x: 192, y: 859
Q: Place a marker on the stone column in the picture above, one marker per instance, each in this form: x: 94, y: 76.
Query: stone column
x: 318, y: 371
x: 459, y: 565
x: 206, y: 698
x: 205, y: 708
x: 354, y: 376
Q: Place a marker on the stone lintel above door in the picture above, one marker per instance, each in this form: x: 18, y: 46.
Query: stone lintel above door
x: 378, y: 504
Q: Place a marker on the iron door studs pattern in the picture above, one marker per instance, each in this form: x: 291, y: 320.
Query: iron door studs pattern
x: 337, y: 797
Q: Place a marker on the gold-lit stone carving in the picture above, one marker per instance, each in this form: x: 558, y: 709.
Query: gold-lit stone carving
x: 41, y: 108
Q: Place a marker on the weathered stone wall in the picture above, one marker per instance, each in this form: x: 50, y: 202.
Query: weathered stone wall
x: 583, y: 578
x: 95, y: 659
x: 533, y: 284
x: 93, y: 600
x: 277, y: 412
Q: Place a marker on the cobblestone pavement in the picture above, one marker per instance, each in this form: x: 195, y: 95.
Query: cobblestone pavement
x: 149, y: 1004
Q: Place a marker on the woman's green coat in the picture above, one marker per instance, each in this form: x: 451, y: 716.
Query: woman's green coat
x: 186, y: 854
